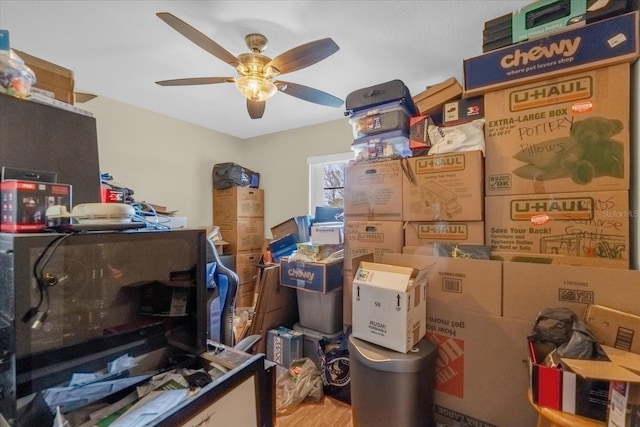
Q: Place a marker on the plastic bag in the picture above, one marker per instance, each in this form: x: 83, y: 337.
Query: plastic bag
x: 300, y: 383
x: 450, y: 139
x: 230, y: 174
x: 334, y: 366
x: 16, y: 78
x: 572, y: 337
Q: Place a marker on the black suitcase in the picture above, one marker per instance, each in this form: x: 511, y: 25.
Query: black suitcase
x: 368, y: 97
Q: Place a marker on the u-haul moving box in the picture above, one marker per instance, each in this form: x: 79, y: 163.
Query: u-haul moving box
x: 389, y: 301
x: 566, y: 134
x: 426, y: 233
x: 444, y: 187
x: 594, y: 225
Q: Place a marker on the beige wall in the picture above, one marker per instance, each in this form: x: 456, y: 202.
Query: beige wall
x: 281, y: 159
x: 169, y: 162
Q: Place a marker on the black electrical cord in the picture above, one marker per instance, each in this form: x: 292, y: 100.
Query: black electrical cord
x: 38, y: 314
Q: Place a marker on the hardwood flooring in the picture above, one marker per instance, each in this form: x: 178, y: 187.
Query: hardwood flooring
x: 329, y: 412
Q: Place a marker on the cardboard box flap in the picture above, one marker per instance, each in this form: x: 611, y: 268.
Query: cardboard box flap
x: 422, y: 264
x: 623, y: 358
x: 393, y: 277
x: 601, y: 370
x: 437, y: 89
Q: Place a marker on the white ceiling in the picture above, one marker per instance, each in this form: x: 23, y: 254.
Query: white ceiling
x: 119, y: 48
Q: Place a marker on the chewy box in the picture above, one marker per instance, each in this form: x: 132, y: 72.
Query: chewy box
x: 24, y: 204
x: 444, y: 187
x: 311, y: 276
x: 603, y: 43
x: 389, y: 301
x: 560, y: 135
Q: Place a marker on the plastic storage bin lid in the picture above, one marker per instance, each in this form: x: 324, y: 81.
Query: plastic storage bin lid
x: 311, y: 333
x: 384, y: 359
x: 381, y: 109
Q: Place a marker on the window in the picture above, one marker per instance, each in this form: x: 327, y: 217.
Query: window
x: 326, y: 180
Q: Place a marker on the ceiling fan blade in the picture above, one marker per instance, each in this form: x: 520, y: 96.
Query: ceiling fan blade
x: 303, y: 55
x: 198, y: 38
x: 308, y: 94
x: 255, y: 109
x: 196, y: 81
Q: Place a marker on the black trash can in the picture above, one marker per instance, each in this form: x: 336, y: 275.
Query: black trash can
x: 389, y: 388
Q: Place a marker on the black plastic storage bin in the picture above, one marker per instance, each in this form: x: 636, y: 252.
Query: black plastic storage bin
x: 389, y: 388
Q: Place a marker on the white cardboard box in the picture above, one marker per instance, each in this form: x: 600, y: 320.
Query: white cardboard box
x: 329, y: 233
x: 389, y: 301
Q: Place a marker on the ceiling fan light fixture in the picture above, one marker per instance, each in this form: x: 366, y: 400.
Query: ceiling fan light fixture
x: 255, y: 88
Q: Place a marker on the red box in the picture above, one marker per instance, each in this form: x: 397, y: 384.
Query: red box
x: 24, y: 204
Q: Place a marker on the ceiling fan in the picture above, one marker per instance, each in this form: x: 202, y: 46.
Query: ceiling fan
x: 257, y: 71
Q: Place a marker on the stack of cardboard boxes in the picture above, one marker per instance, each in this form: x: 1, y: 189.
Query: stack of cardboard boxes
x: 553, y: 188
x: 557, y: 192
x: 558, y: 168
x: 239, y: 212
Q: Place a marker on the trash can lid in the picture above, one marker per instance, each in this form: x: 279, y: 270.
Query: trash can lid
x: 384, y: 359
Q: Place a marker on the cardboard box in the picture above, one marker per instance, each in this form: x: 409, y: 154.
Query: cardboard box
x: 561, y: 135
x: 327, y: 233
x: 51, y: 77
x: 284, y: 346
x: 376, y: 237
x: 299, y: 225
x: 245, y: 295
x: 557, y: 259
x: 614, y: 328
x: 419, y: 142
x: 594, y: 225
x: 234, y: 203
x: 481, y: 376
x: 601, y: 44
x: 426, y: 233
x: 328, y: 214
x: 246, y: 265
x: 465, y: 284
x: 462, y: 111
x: 584, y: 388
x: 283, y: 246
x: 444, y: 187
x: 530, y: 288
x: 347, y: 288
x: 430, y: 100
x: 24, y: 204
x: 311, y: 276
x: 389, y: 302
x: 373, y: 191
x: 243, y: 235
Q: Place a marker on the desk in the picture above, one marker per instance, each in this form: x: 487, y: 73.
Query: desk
x: 548, y: 417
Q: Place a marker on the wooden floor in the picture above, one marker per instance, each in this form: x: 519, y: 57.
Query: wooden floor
x: 328, y: 412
